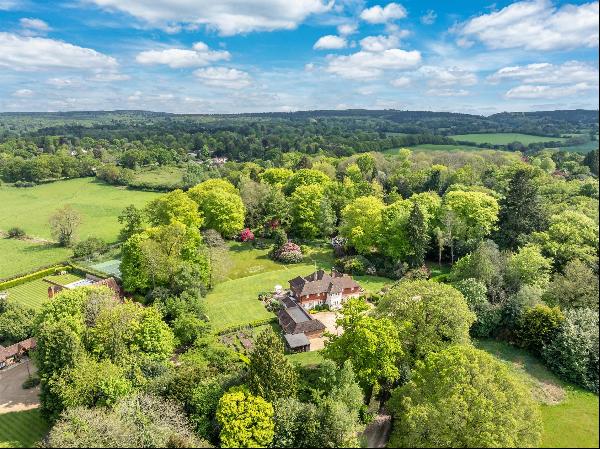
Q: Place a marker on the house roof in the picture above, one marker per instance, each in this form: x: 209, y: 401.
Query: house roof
x: 321, y: 282
x: 295, y: 320
x: 17, y: 348
x: 296, y: 340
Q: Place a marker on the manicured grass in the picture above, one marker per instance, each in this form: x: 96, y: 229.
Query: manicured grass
x: 99, y: 205
x: 34, y: 293
x: 306, y: 358
x: 22, y: 429
x: 569, y: 413
x: 235, y: 302
x: 504, y: 138
x: 246, y: 260
x: 19, y: 256
x: 165, y: 175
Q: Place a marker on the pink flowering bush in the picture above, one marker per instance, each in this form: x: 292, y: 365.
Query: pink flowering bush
x: 246, y: 235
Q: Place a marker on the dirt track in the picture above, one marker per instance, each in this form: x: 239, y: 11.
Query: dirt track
x: 13, y: 398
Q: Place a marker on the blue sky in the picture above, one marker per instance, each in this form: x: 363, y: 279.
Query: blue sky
x: 207, y: 56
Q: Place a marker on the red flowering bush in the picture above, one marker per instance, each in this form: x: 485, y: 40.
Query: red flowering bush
x: 246, y: 235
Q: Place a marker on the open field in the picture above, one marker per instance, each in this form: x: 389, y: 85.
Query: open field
x: 569, y: 413
x: 34, y: 293
x: 30, y: 208
x: 235, y: 302
x: 159, y: 175
x: 504, y: 138
x: 20, y: 256
x: 99, y: 204
x: 22, y: 429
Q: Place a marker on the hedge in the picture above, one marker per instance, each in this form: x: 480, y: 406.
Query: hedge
x: 255, y: 323
x: 22, y: 279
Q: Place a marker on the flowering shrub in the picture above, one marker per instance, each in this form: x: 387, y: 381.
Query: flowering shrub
x: 246, y: 235
x: 288, y: 253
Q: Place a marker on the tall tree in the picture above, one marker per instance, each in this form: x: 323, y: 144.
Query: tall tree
x: 418, y: 236
x: 64, y: 223
x: 464, y: 397
x: 521, y: 210
x: 270, y: 373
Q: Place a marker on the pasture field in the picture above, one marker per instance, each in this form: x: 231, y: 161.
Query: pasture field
x: 235, y: 301
x: 34, y: 293
x: 30, y: 208
x: 504, y: 138
x: 569, y: 413
x: 165, y: 175
x: 98, y: 203
x: 22, y: 429
x: 20, y: 256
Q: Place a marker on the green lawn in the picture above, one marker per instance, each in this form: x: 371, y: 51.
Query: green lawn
x: 235, y: 301
x: 504, y: 138
x: 99, y: 204
x: 34, y: 293
x: 306, y: 358
x: 433, y: 147
x: 19, y: 256
x: 22, y: 429
x: 569, y: 413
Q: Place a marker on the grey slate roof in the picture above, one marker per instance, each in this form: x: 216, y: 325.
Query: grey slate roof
x: 296, y: 340
x: 295, y: 320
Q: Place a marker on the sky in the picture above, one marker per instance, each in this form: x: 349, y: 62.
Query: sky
x: 232, y: 56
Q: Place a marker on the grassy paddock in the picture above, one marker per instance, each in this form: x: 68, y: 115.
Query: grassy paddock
x: 165, y: 175
x: 20, y: 256
x: 569, y: 413
x: 22, y: 429
x: 98, y: 203
x: 434, y: 147
x: 504, y: 138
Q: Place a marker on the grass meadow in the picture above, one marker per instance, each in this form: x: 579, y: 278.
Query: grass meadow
x: 569, y: 413
x: 504, y: 138
x: 30, y: 208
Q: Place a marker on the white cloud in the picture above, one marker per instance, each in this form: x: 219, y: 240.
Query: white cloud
x: 176, y: 58
x: 403, y: 81
x: 379, y: 43
x: 63, y: 82
x: 566, y: 73
x: 429, y: 17
x: 23, y: 93
x: 529, y: 91
x: 223, y: 77
x: 330, y: 42
x: 534, y: 25
x: 377, y: 14
x: 35, y: 25
x: 27, y: 53
x: 229, y: 17
x: 366, y: 64
x: 6, y: 5
x: 447, y: 92
x: 347, y: 28
x: 448, y: 76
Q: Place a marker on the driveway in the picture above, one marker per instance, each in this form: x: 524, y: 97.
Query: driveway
x: 13, y: 398
x: 328, y: 319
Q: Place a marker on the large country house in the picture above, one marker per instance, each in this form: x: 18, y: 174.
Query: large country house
x: 320, y: 288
